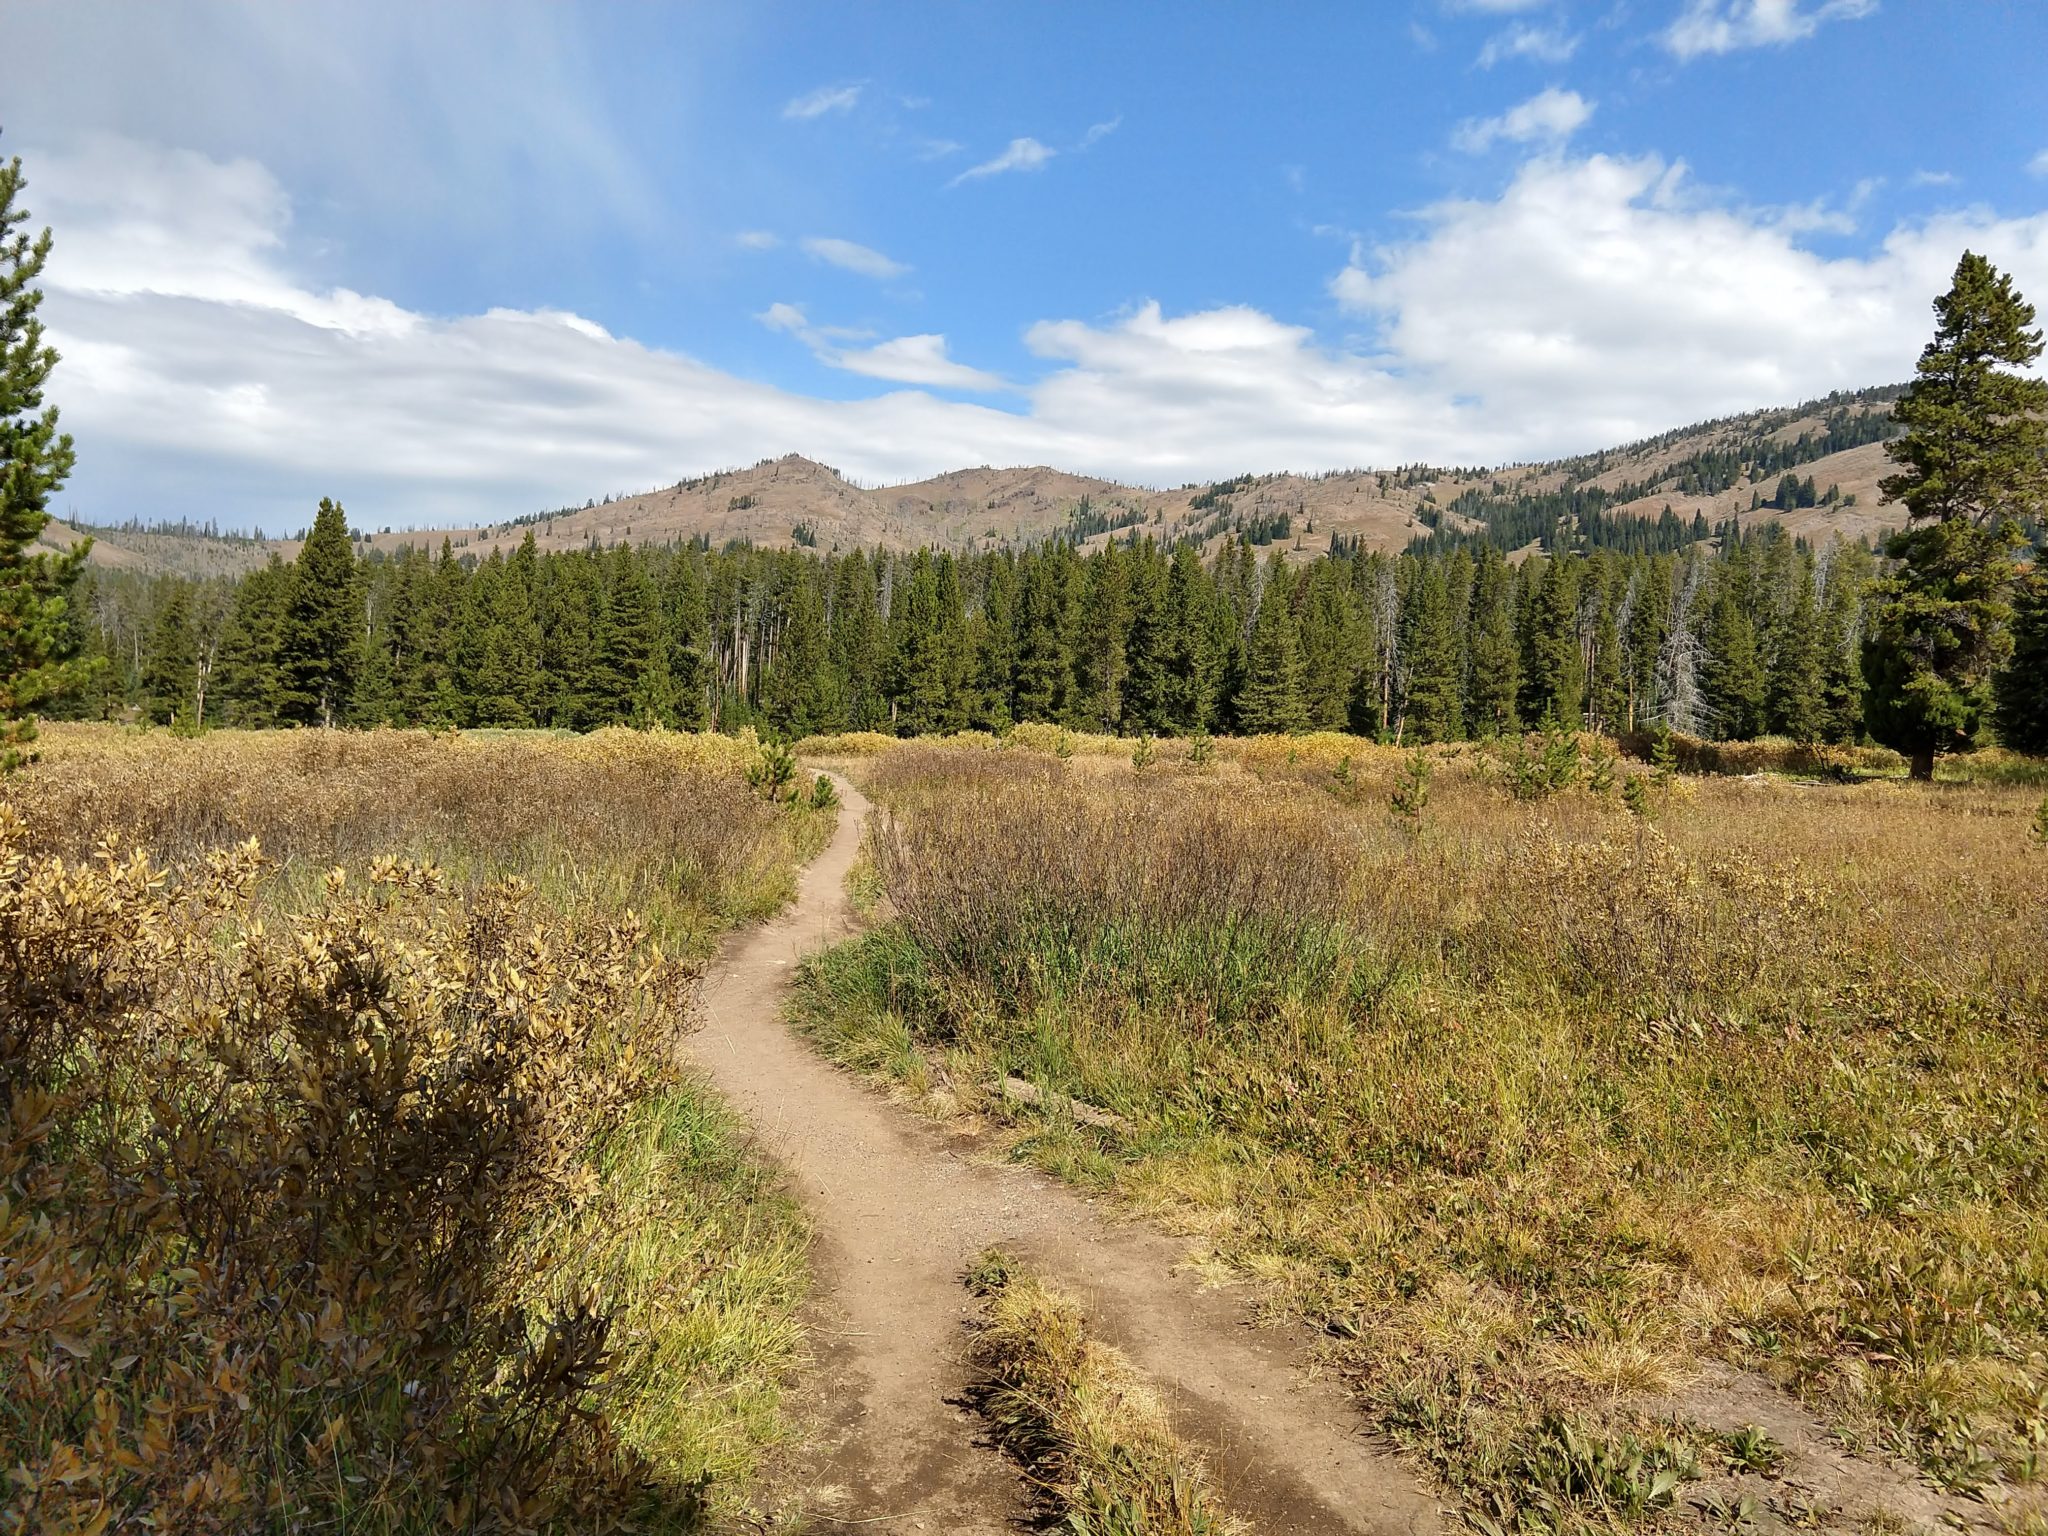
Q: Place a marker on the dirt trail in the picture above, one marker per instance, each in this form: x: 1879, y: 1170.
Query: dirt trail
x: 901, y: 1210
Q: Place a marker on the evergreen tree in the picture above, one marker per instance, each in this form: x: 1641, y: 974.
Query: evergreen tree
x: 1553, y: 666
x: 1974, y: 463
x: 1732, y: 676
x: 630, y: 643
x: 1495, y: 660
x: 1433, y: 661
x: 2022, y: 687
x: 1329, y: 645
x: 35, y: 459
x: 923, y: 676
x: 1270, y: 702
x: 1795, y: 690
x: 252, y: 647
x: 800, y: 696
x: 170, y: 668
x: 858, y: 638
x: 320, y: 641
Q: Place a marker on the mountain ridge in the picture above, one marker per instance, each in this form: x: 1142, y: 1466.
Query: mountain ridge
x: 1708, y: 470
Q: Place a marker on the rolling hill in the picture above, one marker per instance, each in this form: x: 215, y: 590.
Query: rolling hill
x: 1715, y: 471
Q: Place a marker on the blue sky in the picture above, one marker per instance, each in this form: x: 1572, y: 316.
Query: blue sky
x: 454, y: 262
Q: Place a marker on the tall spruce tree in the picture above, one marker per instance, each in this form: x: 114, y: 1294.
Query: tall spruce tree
x: 320, y: 641
x: 35, y: 459
x: 1270, y: 700
x: 1974, y: 463
x: 2021, y: 688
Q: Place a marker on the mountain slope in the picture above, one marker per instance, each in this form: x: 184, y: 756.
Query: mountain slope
x: 1714, y: 470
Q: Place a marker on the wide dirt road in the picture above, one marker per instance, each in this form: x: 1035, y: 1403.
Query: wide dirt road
x: 901, y: 1210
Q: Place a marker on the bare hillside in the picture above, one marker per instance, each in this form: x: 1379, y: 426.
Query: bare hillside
x: 1715, y: 470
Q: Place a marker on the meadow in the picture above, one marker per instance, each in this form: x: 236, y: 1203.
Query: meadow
x: 347, y: 1178
x: 1557, y: 1100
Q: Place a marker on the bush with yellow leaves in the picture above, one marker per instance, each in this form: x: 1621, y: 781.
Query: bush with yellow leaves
x: 258, y: 1177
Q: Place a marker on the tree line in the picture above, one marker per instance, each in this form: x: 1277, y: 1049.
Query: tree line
x: 1760, y: 634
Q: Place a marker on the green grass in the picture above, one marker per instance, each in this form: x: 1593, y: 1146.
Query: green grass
x: 701, y: 1257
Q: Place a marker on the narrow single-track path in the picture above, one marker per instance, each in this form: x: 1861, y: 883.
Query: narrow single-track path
x: 901, y: 1210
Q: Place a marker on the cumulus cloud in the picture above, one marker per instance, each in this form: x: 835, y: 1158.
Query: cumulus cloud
x: 849, y: 257
x: 1550, y: 116
x: 1546, y: 45
x: 1594, y: 300
x: 1022, y: 155
x: 1723, y: 26
x: 1597, y: 296
x: 824, y: 100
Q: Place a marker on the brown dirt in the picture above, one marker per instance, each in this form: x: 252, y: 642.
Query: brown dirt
x: 901, y: 1209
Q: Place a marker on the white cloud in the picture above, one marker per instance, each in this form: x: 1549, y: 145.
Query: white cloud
x: 916, y: 360
x: 849, y: 257
x: 1594, y: 300
x: 1598, y: 296
x: 1022, y: 155
x: 1547, y: 45
x: 757, y: 239
x: 1495, y: 7
x: 1723, y: 26
x: 938, y: 149
x: 825, y: 99
x: 2038, y: 166
x: 1097, y: 132
x: 1933, y: 179
x: 1550, y: 116
x: 919, y: 360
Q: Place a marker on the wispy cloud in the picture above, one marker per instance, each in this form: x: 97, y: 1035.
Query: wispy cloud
x: 2038, y: 166
x: 1723, y: 26
x: 1546, y: 45
x: 849, y: 257
x: 1550, y: 116
x: 825, y: 99
x: 1098, y: 132
x: 938, y: 149
x: 920, y: 360
x: 1022, y: 155
x: 757, y: 239
x: 1934, y: 178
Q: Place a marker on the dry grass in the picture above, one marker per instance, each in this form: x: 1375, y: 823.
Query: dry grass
x: 1539, y: 1104
x: 371, y: 1199
x: 1071, y: 1409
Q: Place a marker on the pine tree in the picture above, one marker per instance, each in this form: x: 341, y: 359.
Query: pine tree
x: 170, y: 667
x: 251, y: 678
x: 1270, y: 702
x: 800, y: 696
x: 1433, y: 661
x: 1496, y: 663
x: 1553, y: 666
x: 1329, y: 645
x: 35, y: 459
x: 922, y: 654
x: 2022, y: 687
x: 320, y: 641
x: 1732, y: 676
x: 1974, y: 463
x: 857, y: 641
x: 1794, y: 693
x: 630, y: 640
